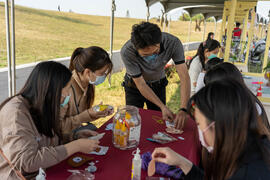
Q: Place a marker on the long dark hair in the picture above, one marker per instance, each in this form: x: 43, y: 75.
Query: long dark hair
x: 230, y: 105
x: 211, y: 45
x: 228, y: 70
x: 200, y: 53
x: 93, y: 58
x: 43, y: 90
x: 209, y: 36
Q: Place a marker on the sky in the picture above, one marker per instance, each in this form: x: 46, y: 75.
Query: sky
x: 136, y: 8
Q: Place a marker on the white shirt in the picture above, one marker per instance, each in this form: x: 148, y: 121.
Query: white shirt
x: 200, y: 82
x: 194, y: 70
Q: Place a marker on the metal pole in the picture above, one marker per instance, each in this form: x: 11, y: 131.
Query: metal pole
x: 222, y: 24
x: 189, y: 32
x: 147, y: 14
x: 229, y: 30
x: 215, y: 26
x: 111, y: 36
x: 204, y: 29
x: 13, y: 48
x: 267, y: 45
x: 169, y: 24
x: 250, y: 34
x: 163, y: 29
x: 8, y: 50
x: 244, y: 34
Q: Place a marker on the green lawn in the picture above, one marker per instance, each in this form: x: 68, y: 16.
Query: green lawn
x: 42, y: 35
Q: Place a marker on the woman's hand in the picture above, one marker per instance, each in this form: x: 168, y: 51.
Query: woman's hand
x: 85, y: 133
x: 81, y: 145
x: 100, y: 114
x: 87, y: 145
x: 168, y: 156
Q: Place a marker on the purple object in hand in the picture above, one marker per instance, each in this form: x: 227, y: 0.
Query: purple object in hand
x: 161, y: 168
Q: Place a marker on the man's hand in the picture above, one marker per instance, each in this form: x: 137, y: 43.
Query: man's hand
x: 180, y: 119
x: 167, y: 114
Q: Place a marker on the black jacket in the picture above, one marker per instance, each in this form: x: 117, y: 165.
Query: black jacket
x: 252, y: 165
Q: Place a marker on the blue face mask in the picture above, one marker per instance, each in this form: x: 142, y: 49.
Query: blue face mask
x: 212, y: 56
x: 66, y: 100
x: 150, y: 58
x: 99, y: 80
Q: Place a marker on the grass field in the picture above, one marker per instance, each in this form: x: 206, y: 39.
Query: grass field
x: 43, y: 35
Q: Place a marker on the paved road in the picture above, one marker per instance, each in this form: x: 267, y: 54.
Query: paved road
x: 23, y: 71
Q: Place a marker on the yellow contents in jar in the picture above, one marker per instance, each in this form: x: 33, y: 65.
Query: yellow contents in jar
x: 102, y: 107
x: 117, y: 131
x: 123, y: 136
x: 128, y: 116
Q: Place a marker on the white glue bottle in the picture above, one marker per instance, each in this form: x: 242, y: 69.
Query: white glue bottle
x: 136, y: 166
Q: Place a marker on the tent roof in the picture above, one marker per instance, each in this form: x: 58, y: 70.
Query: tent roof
x: 209, y: 8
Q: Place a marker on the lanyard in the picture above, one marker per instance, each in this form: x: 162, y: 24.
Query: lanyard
x: 18, y: 173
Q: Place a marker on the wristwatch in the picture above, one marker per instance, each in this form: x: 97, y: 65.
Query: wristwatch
x: 183, y: 109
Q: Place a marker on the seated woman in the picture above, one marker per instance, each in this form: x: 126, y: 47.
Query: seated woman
x: 30, y: 135
x: 228, y: 70
x: 195, y: 66
x: 237, y: 142
x: 211, y: 50
x: 89, y: 67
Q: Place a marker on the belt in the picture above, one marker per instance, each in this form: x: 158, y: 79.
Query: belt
x: 157, y: 82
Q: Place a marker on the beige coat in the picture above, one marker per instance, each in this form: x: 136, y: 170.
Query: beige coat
x: 22, y: 144
x: 69, y: 116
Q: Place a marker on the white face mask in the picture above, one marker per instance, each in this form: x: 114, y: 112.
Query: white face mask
x: 201, y: 137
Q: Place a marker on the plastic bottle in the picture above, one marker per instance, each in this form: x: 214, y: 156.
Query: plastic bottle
x: 136, y: 166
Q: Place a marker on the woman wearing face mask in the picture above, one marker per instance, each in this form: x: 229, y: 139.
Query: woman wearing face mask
x: 238, y: 144
x: 211, y: 49
x: 30, y: 135
x: 89, y: 67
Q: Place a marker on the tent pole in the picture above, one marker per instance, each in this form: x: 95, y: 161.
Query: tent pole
x: 215, y: 26
x: 204, y: 29
x: 229, y: 30
x: 250, y: 34
x: 244, y: 35
x: 13, y: 48
x: 111, y: 36
x: 267, y: 45
x: 147, y: 14
x: 189, y: 32
x: 8, y: 49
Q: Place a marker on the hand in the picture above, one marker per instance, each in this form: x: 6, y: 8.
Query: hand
x: 168, y: 156
x: 167, y: 114
x: 85, y: 133
x: 180, y: 120
x: 86, y: 145
x: 100, y: 114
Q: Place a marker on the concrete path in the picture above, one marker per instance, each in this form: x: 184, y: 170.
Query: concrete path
x: 23, y: 71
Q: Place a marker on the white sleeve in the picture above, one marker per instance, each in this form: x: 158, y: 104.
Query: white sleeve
x: 200, y: 82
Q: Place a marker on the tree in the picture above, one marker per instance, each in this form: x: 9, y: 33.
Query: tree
x: 184, y: 17
x: 197, y: 18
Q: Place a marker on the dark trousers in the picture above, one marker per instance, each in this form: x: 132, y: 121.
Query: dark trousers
x: 135, y: 98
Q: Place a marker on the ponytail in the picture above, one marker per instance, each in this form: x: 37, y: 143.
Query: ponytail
x: 77, y: 52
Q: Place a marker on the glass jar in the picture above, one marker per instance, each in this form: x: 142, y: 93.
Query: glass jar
x: 126, y: 127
